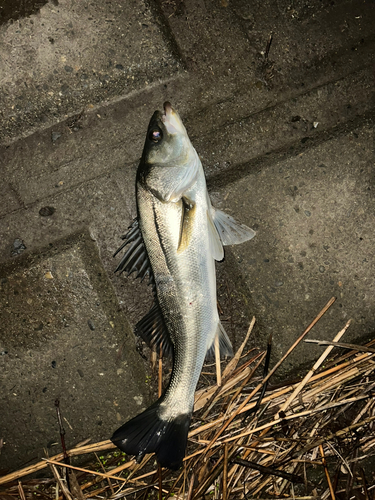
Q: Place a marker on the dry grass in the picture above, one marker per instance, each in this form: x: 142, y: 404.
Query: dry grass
x: 310, y: 439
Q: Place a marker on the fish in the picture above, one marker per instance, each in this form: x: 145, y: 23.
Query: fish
x: 175, y: 240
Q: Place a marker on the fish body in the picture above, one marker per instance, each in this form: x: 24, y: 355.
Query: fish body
x: 180, y: 236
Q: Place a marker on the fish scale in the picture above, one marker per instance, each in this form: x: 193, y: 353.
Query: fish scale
x: 185, y: 293
x: 180, y: 236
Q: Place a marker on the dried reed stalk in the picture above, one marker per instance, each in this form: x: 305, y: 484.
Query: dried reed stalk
x: 264, y: 456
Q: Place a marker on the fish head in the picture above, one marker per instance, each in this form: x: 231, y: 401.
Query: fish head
x: 167, y: 142
x: 170, y: 164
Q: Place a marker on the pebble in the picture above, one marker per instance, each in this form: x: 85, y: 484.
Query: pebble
x: 46, y: 211
x: 55, y: 136
x: 18, y: 246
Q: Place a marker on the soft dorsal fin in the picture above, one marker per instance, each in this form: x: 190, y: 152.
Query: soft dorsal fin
x: 153, y: 331
x: 135, y: 258
x: 225, y: 345
x: 231, y: 232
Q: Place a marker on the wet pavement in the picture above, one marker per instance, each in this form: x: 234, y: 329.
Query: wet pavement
x: 278, y: 100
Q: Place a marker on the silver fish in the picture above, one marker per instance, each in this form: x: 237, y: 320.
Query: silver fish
x: 175, y: 239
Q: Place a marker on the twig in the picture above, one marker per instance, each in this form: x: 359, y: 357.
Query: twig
x: 160, y: 480
x: 268, y: 46
x: 317, y: 318
x: 363, y: 411
x: 62, y: 430
x: 344, y: 345
x: 240, y: 389
x: 217, y: 361
x: 191, y: 486
x: 103, y: 469
x: 60, y: 481
x: 202, y: 488
x: 233, y: 416
x: 327, y: 473
x: 245, y: 374
x: 341, y: 433
x: 308, y: 376
x: 225, y: 473
x: 294, y: 416
x: 74, y: 487
x: 20, y: 491
x: 102, y: 445
x: 342, y: 384
x: 365, y: 490
x: 265, y: 373
x: 268, y: 470
x: 346, y: 375
x: 231, y: 366
x: 96, y: 473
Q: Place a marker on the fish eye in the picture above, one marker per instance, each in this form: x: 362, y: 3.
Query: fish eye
x: 155, y: 135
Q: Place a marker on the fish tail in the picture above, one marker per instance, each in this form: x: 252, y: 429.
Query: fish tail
x: 148, y: 433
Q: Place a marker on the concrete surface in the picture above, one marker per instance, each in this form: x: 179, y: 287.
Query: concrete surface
x: 70, y: 55
x: 278, y: 100
x: 314, y: 241
x: 63, y: 334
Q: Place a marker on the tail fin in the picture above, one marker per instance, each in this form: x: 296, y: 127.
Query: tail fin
x: 148, y: 433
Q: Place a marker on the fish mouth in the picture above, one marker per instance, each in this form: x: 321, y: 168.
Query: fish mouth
x: 167, y: 108
x: 172, y: 120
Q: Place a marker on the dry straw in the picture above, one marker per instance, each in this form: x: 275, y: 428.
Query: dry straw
x: 307, y: 440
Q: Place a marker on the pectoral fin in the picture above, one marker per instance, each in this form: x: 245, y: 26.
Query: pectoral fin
x: 231, y: 232
x: 187, y: 224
